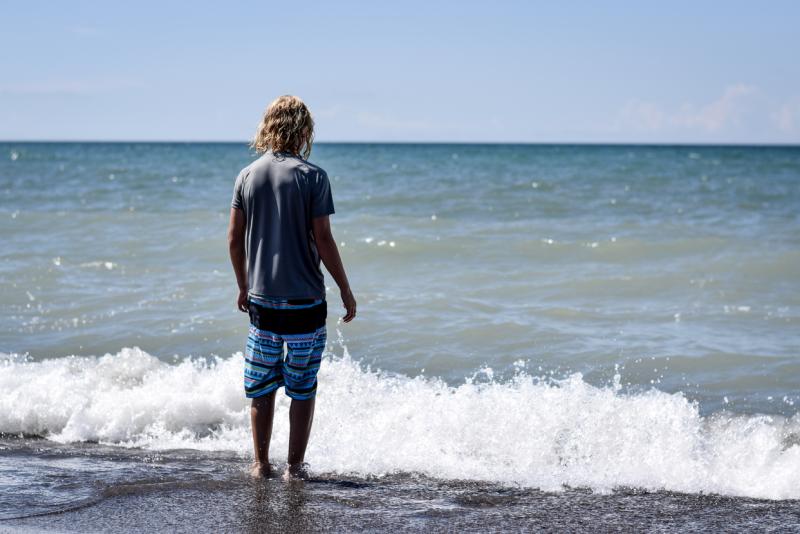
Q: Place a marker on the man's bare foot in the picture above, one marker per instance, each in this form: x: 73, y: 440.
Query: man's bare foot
x: 259, y: 470
x: 296, y: 472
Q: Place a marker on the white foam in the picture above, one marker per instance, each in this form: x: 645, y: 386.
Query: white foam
x: 107, y: 264
x: 524, y: 431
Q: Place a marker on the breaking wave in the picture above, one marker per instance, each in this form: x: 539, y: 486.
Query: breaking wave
x: 527, y: 431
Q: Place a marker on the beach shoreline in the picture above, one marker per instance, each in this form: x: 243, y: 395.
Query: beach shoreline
x: 401, y: 503
x: 190, y: 491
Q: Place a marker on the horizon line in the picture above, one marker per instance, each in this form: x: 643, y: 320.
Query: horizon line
x: 404, y: 142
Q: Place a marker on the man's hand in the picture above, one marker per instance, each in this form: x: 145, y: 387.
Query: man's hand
x: 349, y: 302
x: 241, y: 301
x: 329, y: 254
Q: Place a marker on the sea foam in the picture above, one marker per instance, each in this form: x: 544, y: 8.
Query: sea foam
x: 525, y: 431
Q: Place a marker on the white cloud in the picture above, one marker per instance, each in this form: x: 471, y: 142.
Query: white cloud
x: 330, y: 112
x: 787, y: 117
x: 715, y: 117
x: 68, y: 87
x: 642, y: 115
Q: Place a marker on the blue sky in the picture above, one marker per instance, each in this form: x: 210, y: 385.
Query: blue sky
x: 404, y: 71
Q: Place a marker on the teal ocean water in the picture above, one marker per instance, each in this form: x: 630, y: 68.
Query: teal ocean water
x: 533, y: 316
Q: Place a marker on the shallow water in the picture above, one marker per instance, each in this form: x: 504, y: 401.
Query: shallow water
x: 599, y: 317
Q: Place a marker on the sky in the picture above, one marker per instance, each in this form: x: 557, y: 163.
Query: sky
x: 596, y: 72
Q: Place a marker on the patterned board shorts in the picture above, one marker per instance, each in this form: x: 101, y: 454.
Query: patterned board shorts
x: 300, y: 324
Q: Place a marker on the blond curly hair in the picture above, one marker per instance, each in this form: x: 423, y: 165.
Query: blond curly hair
x: 287, y: 126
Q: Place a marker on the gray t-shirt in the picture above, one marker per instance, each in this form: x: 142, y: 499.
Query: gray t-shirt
x: 280, y: 193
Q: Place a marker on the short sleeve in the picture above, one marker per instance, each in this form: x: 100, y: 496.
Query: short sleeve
x: 236, y: 201
x: 321, y: 197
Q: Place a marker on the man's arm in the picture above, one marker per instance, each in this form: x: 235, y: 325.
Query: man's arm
x: 236, y: 230
x: 329, y: 254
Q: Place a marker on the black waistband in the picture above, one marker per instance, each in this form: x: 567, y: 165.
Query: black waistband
x: 298, y: 302
x: 289, y: 321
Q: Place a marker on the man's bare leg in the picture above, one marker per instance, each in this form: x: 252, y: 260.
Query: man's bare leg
x: 262, y: 411
x: 301, y: 415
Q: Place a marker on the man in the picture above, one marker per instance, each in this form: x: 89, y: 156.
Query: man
x: 279, y: 231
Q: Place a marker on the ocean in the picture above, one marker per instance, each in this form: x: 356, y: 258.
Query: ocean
x: 549, y: 337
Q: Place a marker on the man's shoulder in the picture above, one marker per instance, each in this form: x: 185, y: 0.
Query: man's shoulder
x: 245, y: 171
x: 308, y: 168
x: 258, y: 163
x: 268, y: 163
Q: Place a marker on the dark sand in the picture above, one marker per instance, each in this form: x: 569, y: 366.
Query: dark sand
x: 402, y: 503
x: 45, y: 486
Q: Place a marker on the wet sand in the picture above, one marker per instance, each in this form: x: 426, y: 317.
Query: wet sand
x: 400, y: 503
